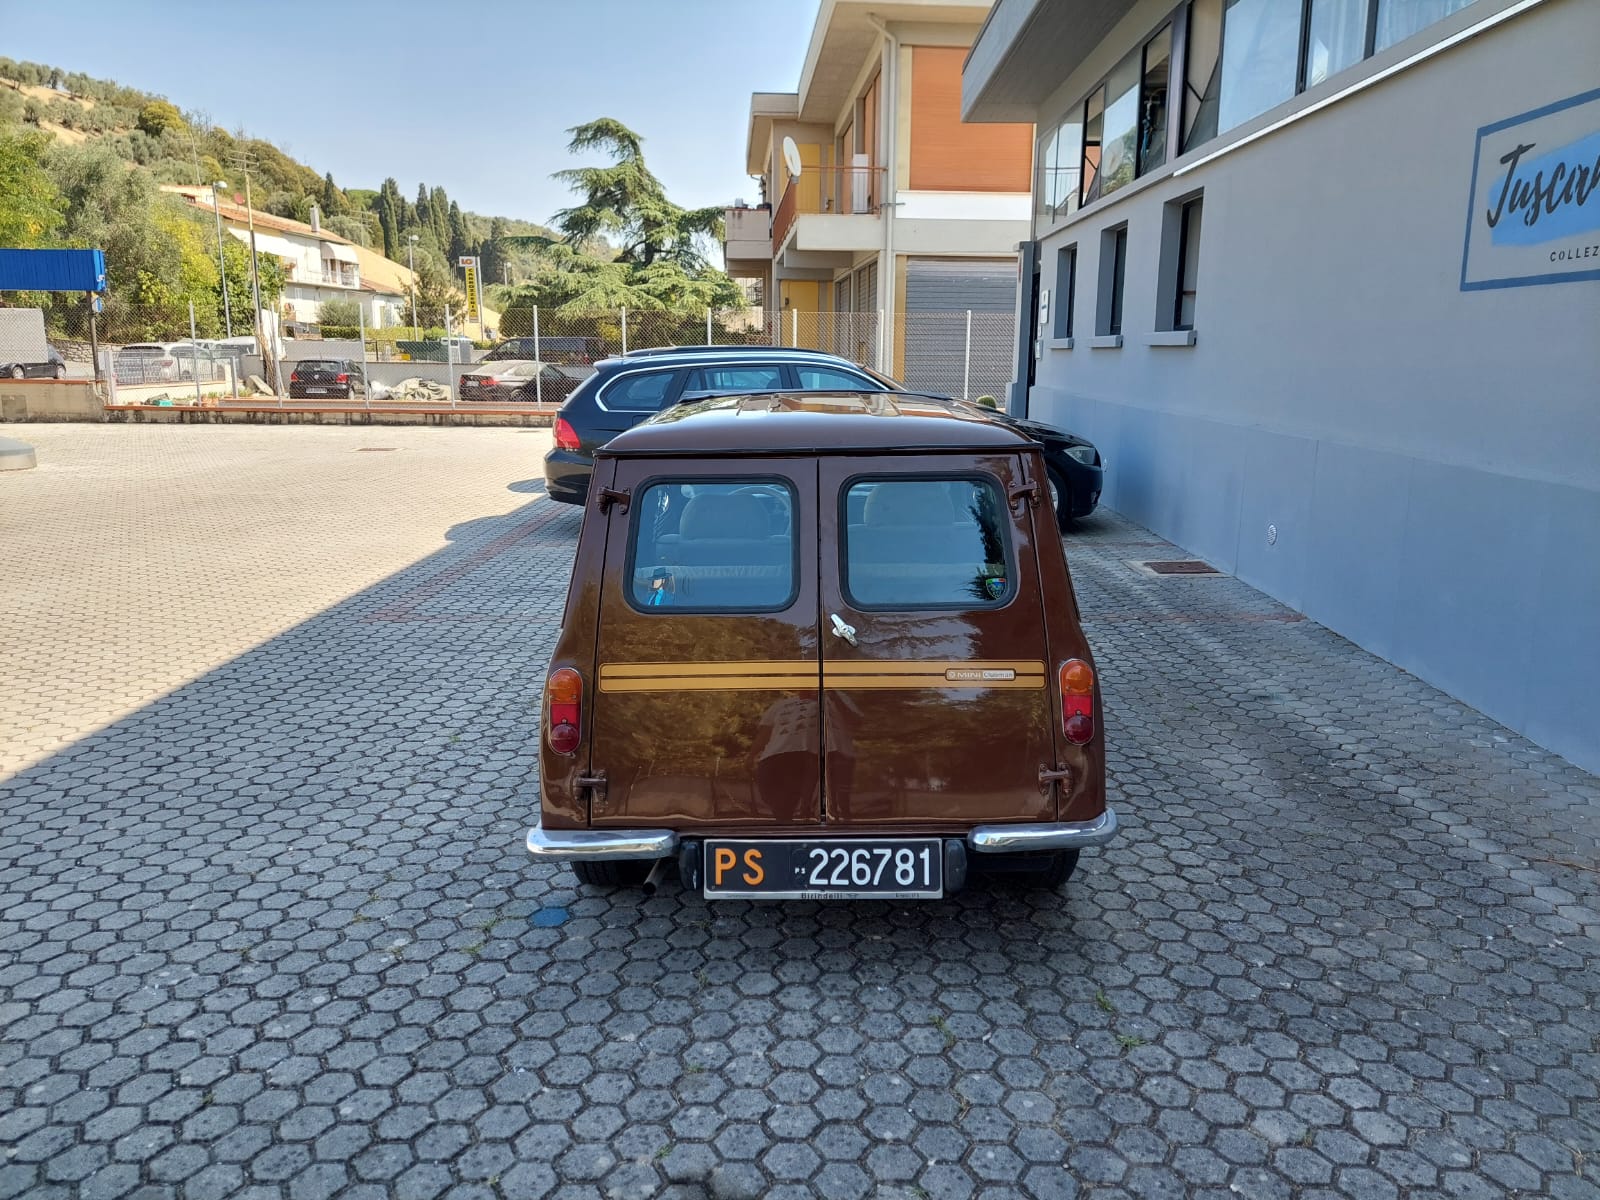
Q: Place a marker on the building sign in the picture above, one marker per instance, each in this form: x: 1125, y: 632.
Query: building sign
x: 470, y: 267
x: 1535, y: 202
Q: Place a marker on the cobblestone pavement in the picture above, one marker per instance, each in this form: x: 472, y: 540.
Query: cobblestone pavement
x: 266, y: 927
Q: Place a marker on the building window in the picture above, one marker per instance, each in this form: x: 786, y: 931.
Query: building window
x: 1060, y: 159
x: 1066, y: 289
x: 1094, y: 124
x: 1399, y: 19
x: 1202, y: 75
x: 1153, y: 101
x: 1260, y: 58
x: 1119, y: 151
x: 1113, y: 270
x: 1336, y: 37
x: 1179, y: 276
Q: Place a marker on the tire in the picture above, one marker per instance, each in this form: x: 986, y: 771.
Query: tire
x: 18, y: 373
x: 1048, y: 869
x: 60, y: 372
x: 1061, y: 496
x: 1060, y: 868
x: 627, y: 872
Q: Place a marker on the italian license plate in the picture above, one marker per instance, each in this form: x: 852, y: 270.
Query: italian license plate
x: 311, y: 391
x: 831, y: 869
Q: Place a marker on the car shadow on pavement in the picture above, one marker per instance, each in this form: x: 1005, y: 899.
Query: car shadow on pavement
x: 279, y: 927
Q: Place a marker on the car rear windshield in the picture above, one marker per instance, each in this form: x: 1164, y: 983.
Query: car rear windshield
x: 322, y: 364
x: 144, y: 351
x: 725, y: 545
x: 930, y: 542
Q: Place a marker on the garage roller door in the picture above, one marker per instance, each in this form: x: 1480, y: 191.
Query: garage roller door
x: 938, y: 294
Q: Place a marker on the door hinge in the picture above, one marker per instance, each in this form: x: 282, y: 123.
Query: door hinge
x: 595, y: 785
x: 1028, y: 492
x: 1049, y: 776
x: 610, y: 496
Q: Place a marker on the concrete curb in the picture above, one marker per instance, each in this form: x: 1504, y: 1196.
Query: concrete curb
x: 16, y: 456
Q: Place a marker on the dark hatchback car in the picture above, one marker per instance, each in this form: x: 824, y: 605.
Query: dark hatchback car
x: 320, y: 378
x: 54, y: 367
x: 626, y: 391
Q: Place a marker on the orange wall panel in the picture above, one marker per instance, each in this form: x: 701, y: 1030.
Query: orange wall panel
x: 949, y: 156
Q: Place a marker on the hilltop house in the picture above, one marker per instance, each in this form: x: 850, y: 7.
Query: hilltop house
x: 318, y: 265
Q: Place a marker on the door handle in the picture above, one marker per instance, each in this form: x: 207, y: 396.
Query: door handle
x: 840, y: 629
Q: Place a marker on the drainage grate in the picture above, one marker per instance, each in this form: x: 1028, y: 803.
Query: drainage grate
x: 375, y: 449
x: 1166, y: 567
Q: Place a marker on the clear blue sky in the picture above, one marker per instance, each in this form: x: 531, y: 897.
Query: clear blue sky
x: 471, y: 97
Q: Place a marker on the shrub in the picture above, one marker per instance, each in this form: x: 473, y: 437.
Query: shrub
x: 339, y: 312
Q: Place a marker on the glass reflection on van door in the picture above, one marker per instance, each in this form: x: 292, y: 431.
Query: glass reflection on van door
x: 925, y: 543
x: 709, y: 546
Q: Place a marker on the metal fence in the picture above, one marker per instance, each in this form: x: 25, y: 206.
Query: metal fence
x: 147, y: 350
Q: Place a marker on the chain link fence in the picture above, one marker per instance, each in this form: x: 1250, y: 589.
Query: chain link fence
x: 153, y: 352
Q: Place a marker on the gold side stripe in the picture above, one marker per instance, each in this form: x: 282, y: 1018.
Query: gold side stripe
x: 720, y: 683
x: 924, y: 666
x: 802, y: 675
x: 849, y: 683
x: 645, y: 670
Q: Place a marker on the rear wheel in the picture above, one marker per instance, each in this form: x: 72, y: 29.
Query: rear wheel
x: 18, y: 373
x: 60, y: 372
x: 1061, y: 497
x: 625, y: 872
x: 1046, y: 869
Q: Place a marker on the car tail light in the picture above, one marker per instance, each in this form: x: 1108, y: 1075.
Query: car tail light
x: 294, y: 376
x: 1077, y: 701
x: 341, y: 378
x: 563, y: 710
x: 566, y: 435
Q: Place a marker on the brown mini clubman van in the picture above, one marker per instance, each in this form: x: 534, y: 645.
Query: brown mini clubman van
x: 820, y: 646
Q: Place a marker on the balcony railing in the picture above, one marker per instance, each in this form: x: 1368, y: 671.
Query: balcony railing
x: 839, y: 190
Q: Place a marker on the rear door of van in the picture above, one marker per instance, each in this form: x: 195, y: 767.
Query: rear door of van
x: 937, y: 704
x: 706, y: 703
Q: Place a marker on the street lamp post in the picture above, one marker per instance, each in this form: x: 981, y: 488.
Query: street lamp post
x: 222, y: 265
x: 411, y: 260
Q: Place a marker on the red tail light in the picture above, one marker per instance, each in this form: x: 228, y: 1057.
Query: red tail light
x: 1077, y: 701
x: 566, y: 435
x: 563, y: 710
x: 294, y: 376
x: 341, y: 379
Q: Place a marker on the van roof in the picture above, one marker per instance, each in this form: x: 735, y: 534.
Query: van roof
x: 814, y: 423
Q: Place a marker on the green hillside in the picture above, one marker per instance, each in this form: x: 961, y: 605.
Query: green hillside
x: 60, y: 132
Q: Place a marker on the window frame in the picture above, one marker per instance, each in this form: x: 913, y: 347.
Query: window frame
x: 630, y: 558
x: 1063, y: 319
x: 783, y: 382
x: 1111, y: 309
x: 674, y: 387
x: 1008, y: 546
x: 1195, y: 205
x: 1172, y: 268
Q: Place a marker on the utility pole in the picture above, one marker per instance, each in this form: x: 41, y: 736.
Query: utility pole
x: 411, y: 260
x: 269, y: 362
x: 222, y: 265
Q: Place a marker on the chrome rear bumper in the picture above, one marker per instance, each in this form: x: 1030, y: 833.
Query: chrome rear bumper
x: 593, y: 845
x: 1057, y: 835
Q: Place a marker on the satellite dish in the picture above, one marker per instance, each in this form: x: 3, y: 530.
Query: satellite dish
x: 791, y: 157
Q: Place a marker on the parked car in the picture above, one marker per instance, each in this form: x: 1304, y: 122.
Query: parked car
x: 520, y: 382
x: 54, y: 367
x: 625, y: 391
x: 315, y: 378
x: 154, y: 362
x: 788, y: 669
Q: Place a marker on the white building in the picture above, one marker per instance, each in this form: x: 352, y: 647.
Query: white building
x: 318, y: 265
x: 1322, y: 280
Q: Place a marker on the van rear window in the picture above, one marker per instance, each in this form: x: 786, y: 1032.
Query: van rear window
x: 724, y: 545
x: 926, y: 543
